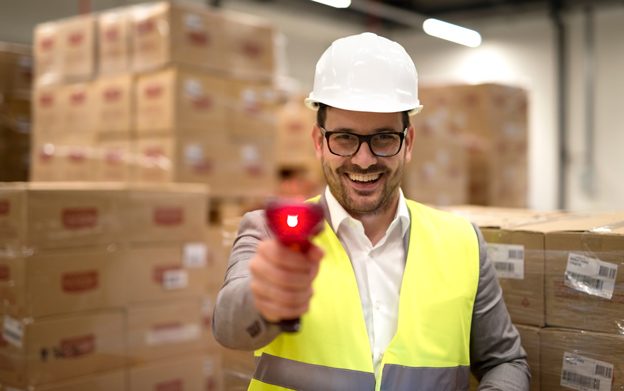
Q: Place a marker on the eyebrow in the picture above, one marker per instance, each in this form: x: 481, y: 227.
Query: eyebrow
x: 378, y: 130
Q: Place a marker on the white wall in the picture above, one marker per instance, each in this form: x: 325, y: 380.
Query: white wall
x: 518, y: 51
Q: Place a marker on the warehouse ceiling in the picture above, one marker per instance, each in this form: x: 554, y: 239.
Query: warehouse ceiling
x: 388, y: 11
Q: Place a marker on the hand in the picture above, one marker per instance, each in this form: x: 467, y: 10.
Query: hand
x: 281, y: 280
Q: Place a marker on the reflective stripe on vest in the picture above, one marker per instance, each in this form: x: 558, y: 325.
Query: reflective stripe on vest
x: 400, y: 378
x: 432, y: 341
x: 301, y: 376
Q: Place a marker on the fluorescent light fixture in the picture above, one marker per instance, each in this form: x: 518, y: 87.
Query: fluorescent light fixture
x: 335, y: 3
x: 452, y: 32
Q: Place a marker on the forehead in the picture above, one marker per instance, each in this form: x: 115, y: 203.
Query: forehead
x: 362, y: 120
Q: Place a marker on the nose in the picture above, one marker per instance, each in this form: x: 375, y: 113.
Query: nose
x: 364, y: 157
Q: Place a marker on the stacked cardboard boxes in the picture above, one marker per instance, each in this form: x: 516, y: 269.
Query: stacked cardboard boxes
x: 437, y: 173
x: 576, y: 296
x: 101, y: 278
x: 15, y: 76
x: 491, y: 122
x: 158, y: 92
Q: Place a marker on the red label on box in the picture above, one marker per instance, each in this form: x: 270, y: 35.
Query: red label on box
x: 46, y: 100
x: 5, y: 273
x: 167, y: 326
x: 5, y: 207
x: 78, y: 282
x: 203, y: 103
x: 203, y: 166
x: 79, y: 218
x: 46, y: 44
x: 112, y: 94
x: 145, y: 26
x: 76, y: 38
x: 159, y: 272
x: 170, y: 385
x: 168, y: 216
x: 113, y: 157
x: 77, y: 346
x: 153, y: 91
x: 111, y: 34
x: 77, y: 98
x: 251, y: 49
x: 77, y: 155
x: 198, y: 38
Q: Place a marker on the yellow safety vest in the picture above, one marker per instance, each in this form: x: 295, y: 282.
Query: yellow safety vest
x: 431, y: 347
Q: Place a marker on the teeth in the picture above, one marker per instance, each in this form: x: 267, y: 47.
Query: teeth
x: 364, y: 178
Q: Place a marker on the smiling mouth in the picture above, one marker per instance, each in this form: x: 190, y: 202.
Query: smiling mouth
x: 364, y: 178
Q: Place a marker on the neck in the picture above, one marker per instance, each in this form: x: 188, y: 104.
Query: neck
x: 376, y: 224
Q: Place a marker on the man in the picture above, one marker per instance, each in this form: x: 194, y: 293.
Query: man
x: 393, y: 295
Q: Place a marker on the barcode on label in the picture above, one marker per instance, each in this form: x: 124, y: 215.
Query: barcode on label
x: 607, y: 272
x: 504, y: 267
x: 583, y: 381
x: 516, y: 253
x: 604, y: 371
x: 593, y: 283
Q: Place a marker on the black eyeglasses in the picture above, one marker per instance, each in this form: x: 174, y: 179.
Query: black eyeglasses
x: 347, y: 144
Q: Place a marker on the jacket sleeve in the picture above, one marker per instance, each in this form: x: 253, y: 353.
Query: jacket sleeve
x: 496, y: 354
x: 236, y: 323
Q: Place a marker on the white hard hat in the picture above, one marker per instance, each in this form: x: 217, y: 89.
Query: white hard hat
x: 366, y: 72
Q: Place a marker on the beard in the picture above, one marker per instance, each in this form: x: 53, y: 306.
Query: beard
x: 357, y: 203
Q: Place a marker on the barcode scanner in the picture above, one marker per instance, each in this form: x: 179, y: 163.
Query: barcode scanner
x: 294, y: 224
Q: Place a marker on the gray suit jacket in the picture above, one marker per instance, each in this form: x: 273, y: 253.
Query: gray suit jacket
x: 496, y: 355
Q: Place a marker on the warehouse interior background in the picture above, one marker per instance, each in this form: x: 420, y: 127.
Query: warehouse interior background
x: 520, y: 47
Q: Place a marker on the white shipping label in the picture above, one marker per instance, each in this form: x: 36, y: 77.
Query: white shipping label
x: 583, y: 373
x: 175, y: 279
x: 195, y: 255
x: 161, y: 335
x: 13, y: 331
x: 590, y: 275
x: 508, y: 260
x: 194, y: 22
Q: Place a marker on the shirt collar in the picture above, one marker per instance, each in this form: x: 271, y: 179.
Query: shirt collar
x: 338, y: 215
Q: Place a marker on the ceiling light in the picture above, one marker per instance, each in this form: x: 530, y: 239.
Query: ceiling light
x: 452, y: 32
x: 335, y: 3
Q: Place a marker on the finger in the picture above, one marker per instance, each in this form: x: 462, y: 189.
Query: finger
x: 274, y: 312
x: 283, y: 257
x: 282, y: 297
x: 271, y: 274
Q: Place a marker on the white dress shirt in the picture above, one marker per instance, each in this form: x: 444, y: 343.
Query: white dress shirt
x: 378, y: 269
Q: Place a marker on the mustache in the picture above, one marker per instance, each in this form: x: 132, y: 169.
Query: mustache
x: 354, y: 169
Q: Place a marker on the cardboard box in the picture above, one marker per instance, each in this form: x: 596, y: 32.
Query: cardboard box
x: 189, y: 372
x: 114, y: 106
x: 165, y: 213
x: 115, y: 380
x: 164, y: 330
x: 581, y: 360
x: 78, y: 101
x: 178, y: 100
x: 45, y: 163
x: 584, y: 274
x: 38, y: 216
x: 59, y: 348
x: 114, y: 160
x: 437, y: 173
x: 48, y: 114
x: 251, y: 46
x: 165, y: 272
x: 78, y: 48
x: 531, y: 343
x: 252, y: 110
x: 164, y: 33
x: 48, y: 49
x: 295, y: 146
x: 492, y: 122
x: 113, y: 36
x: 42, y: 283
